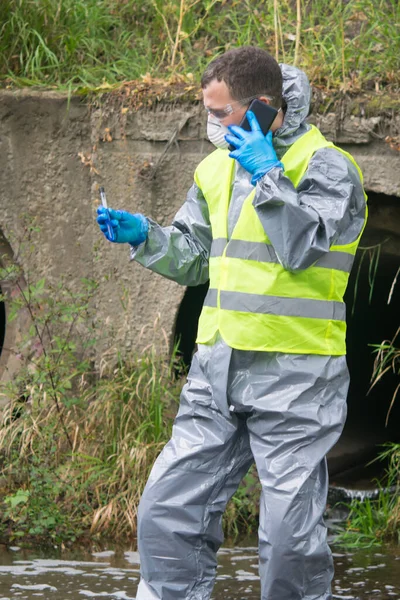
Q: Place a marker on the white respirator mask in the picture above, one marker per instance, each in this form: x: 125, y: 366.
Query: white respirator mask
x: 216, y: 132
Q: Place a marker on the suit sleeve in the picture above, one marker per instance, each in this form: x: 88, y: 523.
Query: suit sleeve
x: 328, y: 207
x: 180, y: 251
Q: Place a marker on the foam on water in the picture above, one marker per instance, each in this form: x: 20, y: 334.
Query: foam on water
x: 120, y: 595
x: 115, y: 575
x: 38, y: 587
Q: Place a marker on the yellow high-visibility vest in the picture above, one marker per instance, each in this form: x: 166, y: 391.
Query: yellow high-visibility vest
x: 254, y: 302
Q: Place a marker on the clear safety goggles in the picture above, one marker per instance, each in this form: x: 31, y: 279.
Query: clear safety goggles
x: 229, y: 109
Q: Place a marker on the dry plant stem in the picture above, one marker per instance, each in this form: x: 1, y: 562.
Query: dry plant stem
x: 298, y: 32
x: 50, y: 374
x: 58, y: 11
x: 391, y: 405
x: 67, y: 338
x: 376, y: 376
x: 343, y: 42
x: 281, y: 37
x: 178, y: 32
x: 392, y: 286
x: 165, y: 23
x: 276, y: 29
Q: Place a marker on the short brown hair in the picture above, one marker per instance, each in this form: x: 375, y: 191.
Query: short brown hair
x: 247, y: 71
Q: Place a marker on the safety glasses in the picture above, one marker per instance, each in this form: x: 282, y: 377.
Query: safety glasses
x: 229, y: 109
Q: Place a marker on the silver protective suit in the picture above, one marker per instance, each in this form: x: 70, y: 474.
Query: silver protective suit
x: 283, y: 411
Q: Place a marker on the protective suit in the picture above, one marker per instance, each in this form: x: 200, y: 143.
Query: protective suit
x: 283, y: 411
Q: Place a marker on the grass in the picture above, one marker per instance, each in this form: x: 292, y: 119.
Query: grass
x: 368, y: 523
x: 117, y: 429
x: 373, y: 521
x: 387, y: 360
x: 54, y: 493
x: 86, y: 44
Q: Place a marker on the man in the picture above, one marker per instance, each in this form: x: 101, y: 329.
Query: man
x: 274, y: 225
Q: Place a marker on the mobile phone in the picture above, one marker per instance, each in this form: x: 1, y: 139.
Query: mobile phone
x: 265, y: 116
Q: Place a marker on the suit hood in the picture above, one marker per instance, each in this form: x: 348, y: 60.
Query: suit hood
x: 296, y: 92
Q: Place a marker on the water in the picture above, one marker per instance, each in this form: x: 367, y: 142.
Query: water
x: 114, y: 574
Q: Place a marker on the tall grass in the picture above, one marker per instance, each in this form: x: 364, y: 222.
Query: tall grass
x: 118, y: 427
x: 373, y: 521
x: 73, y: 42
x: 89, y: 43
x: 53, y: 493
x: 387, y: 360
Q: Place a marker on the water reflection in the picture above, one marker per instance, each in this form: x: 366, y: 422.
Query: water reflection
x: 114, y: 574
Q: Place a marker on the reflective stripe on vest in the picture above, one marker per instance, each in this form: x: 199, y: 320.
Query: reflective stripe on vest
x: 253, y: 301
x: 277, y: 305
x: 261, y: 252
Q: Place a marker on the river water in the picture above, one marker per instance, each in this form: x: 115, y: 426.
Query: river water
x: 114, y: 574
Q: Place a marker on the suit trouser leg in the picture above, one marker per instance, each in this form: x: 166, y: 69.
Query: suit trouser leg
x: 290, y: 434
x: 180, y: 513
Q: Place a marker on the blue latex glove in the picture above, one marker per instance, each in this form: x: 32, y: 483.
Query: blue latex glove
x: 253, y: 150
x: 127, y: 228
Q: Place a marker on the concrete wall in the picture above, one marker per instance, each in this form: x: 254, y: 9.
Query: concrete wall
x: 55, y: 153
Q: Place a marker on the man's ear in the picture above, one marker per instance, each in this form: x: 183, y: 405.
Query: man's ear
x: 265, y: 99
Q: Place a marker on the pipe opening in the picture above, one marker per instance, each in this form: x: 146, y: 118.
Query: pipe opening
x: 186, y: 326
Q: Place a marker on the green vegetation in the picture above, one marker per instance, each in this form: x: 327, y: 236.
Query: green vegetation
x: 388, y: 359
x: 242, y: 512
x: 374, y: 521
x: 82, y: 468
x: 86, y: 44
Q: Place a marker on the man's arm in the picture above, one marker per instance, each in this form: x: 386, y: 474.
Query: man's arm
x: 181, y: 251
x: 327, y: 207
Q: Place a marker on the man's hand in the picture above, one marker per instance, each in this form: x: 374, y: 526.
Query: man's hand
x: 254, y: 151
x: 127, y: 228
